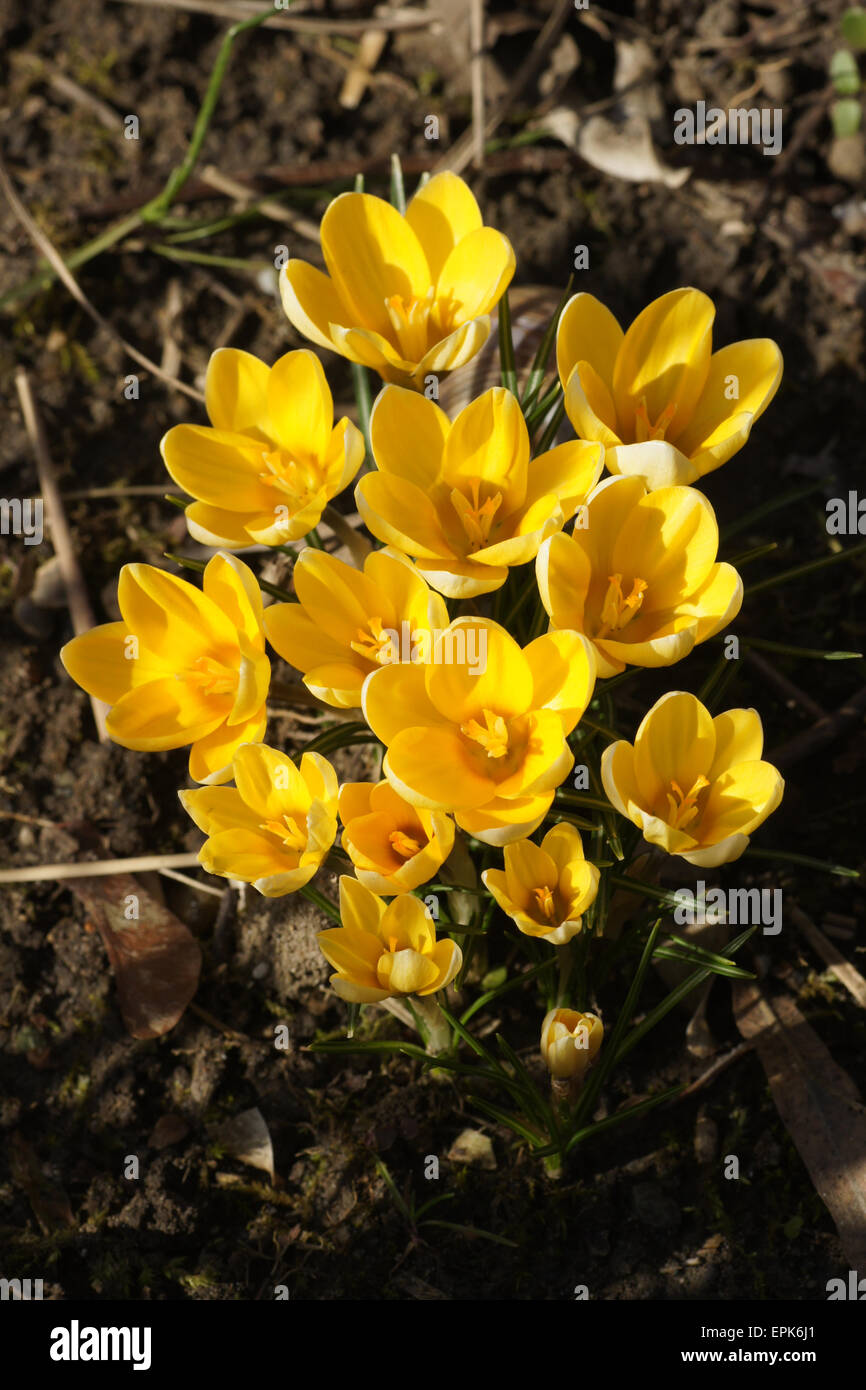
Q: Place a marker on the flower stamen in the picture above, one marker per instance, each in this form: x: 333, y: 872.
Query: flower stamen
x: 683, y: 809
x: 617, y: 610
x: 492, y: 735
x: 643, y: 427
x: 404, y: 845
x: 476, y: 516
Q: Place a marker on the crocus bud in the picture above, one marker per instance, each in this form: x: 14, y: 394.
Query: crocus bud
x: 570, y: 1042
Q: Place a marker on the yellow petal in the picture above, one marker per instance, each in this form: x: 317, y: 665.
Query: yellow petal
x: 475, y: 276
x: 587, y: 332
x: 354, y: 953
x: 563, y: 572
x: 407, y: 971
x: 234, y: 590
x: 590, y: 407
x: 218, y: 808
x: 372, y: 350
x: 216, y: 467
x: 173, y: 619
x: 163, y: 714
x: 210, y: 758
x: 269, y: 782
x: 669, y: 539
x: 657, y: 463
x: 503, y: 819
x: 298, y: 640
x: 742, y: 380
x: 480, y: 667
x: 716, y: 603
x: 311, y: 302
x: 431, y: 766
x: 452, y: 351
x: 489, y: 441
x: 244, y: 854
x: 739, y: 739
x: 106, y: 663
x: 664, y: 359
x: 570, y: 472
x: 217, y: 527
x: 398, y: 416
x: 336, y: 598
x: 361, y: 911
x: 300, y: 405
x: 395, y: 698
x: 400, y: 514
x: 407, y: 923
x: 447, y: 958
x: 740, y: 800
x: 618, y: 778
x: 372, y: 253
x: 320, y: 779
x: 441, y: 214
x: 563, y: 666
x: 235, y: 392
x: 675, y: 743
x: 343, y: 456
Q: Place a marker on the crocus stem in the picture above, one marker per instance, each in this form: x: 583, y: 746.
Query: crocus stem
x: 358, y: 547
x: 432, y: 1023
x: 324, y: 904
x: 364, y: 399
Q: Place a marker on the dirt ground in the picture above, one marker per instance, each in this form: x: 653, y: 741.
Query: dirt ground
x: 778, y: 243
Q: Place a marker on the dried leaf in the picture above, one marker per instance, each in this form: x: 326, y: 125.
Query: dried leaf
x: 49, y: 1202
x: 247, y: 1138
x: 819, y: 1104
x: 155, y: 959
x: 473, y: 1148
x: 169, y: 1129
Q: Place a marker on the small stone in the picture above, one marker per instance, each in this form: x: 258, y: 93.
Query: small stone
x: 474, y: 1148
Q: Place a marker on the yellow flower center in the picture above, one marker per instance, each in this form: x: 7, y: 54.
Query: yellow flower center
x: 682, y: 810
x: 476, y: 516
x: 643, y: 427
x: 545, y: 903
x: 294, y: 480
x: 409, y: 320
x: 374, y: 644
x: 492, y: 735
x: 404, y: 845
x: 288, y: 831
x: 211, y: 676
x: 617, y: 610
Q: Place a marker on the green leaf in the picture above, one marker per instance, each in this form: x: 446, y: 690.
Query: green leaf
x: 506, y: 347
x: 854, y: 26
x: 473, y: 1231
x: 398, y: 192
x: 628, y: 1114
x: 844, y: 73
x: 514, y: 983
x: 671, y: 1000
x: 845, y: 114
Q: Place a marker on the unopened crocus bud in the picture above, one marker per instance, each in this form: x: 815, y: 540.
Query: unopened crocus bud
x: 570, y: 1042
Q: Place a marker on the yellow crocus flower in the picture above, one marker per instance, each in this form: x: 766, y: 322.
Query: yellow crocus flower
x: 274, y: 827
x: 640, y: 577
x: 348, y: 623
x: 382, y: 950
x: 546, y: 888
x: 570, y: 1042
x: 183, y: 666
x: 482, y: 732
x: 272, y: 458
x: 394, y: 847
x: 695, y: 785
x: 463, y: 499
x: 407, y: 295
x: 663, y: 404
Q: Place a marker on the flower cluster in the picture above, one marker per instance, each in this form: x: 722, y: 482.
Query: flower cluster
x: 490, y: 532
